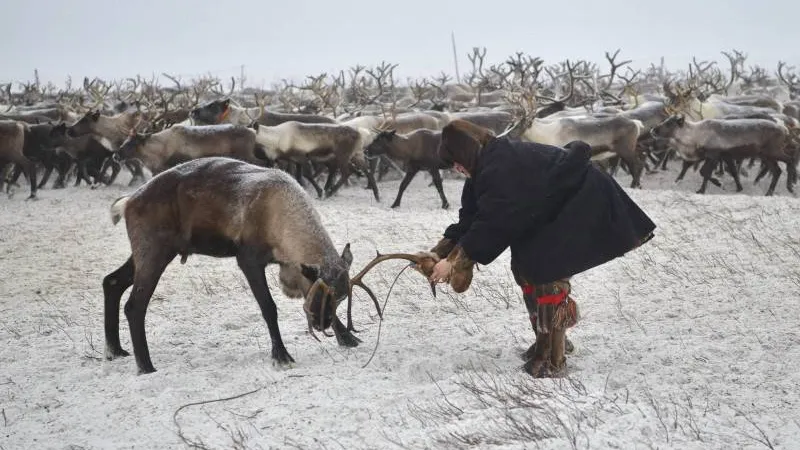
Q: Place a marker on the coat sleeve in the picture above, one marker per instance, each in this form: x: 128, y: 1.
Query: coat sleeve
x: 503, y: 215
x: 465, y: 214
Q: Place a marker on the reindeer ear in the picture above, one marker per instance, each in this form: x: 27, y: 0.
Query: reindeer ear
x: 347, y: 256
x: 310, y: 271
x: 96, y: 115
x: 226, y: 103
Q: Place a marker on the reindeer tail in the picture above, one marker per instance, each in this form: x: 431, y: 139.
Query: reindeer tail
x: 118, y: 209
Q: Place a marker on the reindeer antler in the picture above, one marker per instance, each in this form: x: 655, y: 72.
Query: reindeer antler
x: 357, y: 281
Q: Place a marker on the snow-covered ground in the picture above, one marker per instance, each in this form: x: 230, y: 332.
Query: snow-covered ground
x: 688, y: 342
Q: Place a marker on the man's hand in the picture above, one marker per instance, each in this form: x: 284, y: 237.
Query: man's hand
x: 427, y: 262
x: 441, y: 272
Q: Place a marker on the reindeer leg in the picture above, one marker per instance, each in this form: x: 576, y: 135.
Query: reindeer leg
x: 437, y: 181
x: 48, y: 170
x: 763, y: 170
x: 791, y: 175
x: 16, y: 171
x: 332, y: 169
x: 684, y: 169
x: 776, y: 174
x: 63, y: 167
x: 151, y: 265
x: 253, y: 269
x: 30, y: 172
x: 343, y: 335
x: 114, y: 285
x: 116, y: 169
x: 636, y: 168
x: 412, y: 171
x: 138, y: 173
x: 298, y: 173
x: 345, y: 174
x: 306, y: 170
x: 364, y: 166
x: 706, y: 171
x: 731, y: 166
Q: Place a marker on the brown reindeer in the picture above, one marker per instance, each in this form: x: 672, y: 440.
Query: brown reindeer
x: 115, y: 129
x: 715, y: 139
x: 333, y: 145
x: 222, y: 111
x: 222, y: 207
x: 419, y: 150
x: 24, y: 145
x: 177, y: 144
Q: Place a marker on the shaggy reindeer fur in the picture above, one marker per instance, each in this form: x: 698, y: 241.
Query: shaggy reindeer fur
x: 419, y: 150
x: 331, y: 144
x: 222, y: 207
x: 712, y: 139
x: 177, y: 144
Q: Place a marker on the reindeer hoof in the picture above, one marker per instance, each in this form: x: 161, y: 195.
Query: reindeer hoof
x: 446, y: 206
x: 146, y: 370
x: 281, y: 357
x: 347, y: 339
x: 112, y: 353
x: 32, y: 197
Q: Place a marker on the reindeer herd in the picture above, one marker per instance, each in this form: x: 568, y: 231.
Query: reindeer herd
x: 214, y: 195
x: 364, y: 122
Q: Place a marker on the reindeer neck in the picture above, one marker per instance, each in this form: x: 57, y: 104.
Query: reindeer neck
x: 400, y: 147
x: 116, y: 128
x: 154, y: 150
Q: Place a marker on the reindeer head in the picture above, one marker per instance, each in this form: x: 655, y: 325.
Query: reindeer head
x: 327, y: 292
x: 211, y: 113
x: 380, y: 145
x: 330, y: 285
x: 667, y: 128
x: 84, y: 125
x: 58, y: 134
x: 678, y: 100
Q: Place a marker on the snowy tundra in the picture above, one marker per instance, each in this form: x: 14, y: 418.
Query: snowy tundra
x: 689, y: 342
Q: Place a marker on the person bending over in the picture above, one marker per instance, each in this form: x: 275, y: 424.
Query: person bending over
x: 558, y: 213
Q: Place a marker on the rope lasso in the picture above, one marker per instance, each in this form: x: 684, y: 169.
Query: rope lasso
x: 380, y: 323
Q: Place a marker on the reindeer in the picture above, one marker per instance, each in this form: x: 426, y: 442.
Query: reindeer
x: 419, y: 150
x: 88, y: 152
x: 226, y: 208
x: 223, y: 111
x: 686, y: 101
x: 712, y: 139
x: 167, y: 148
x: 24, y: 145
x: 114, y: 130
x: 608, y: 136
x: 331, y: 144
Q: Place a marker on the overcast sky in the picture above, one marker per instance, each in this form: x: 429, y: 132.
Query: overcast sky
x: 277, y: 39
